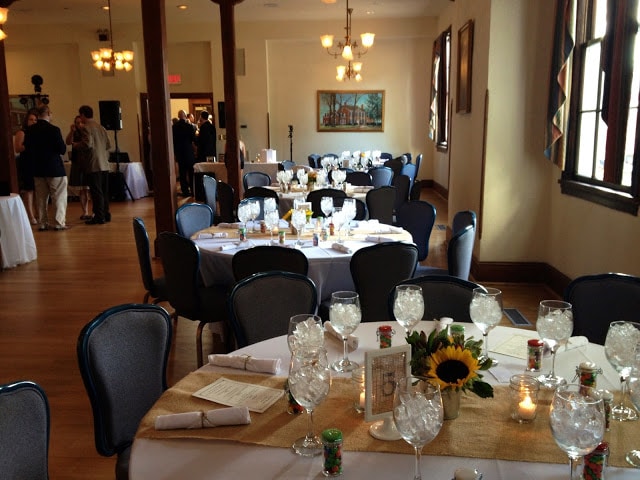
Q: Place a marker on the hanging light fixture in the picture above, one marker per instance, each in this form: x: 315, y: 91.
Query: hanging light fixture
x: 348, y: 50
x: 107, y: 59
x: 4, y: 12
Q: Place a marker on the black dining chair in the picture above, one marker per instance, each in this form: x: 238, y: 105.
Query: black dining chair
x: 376, y: 270
x: 262, y: 192
x: 410, y: 170
x: 402, y: 184
x: 381, y: 176
x: 192, y: 217
x: 156, y: 286
x: 267, y: 258
x: 444, y: 296
x: 258, y: 311
x: 599, y: 299
x: 210, y: 186
x: 24, y: 431
x: 386, y: 156
x: 122, y: 354
x: 418, y: 218
x: 226, y: 202
x: 255, y: 179
x: 380, y: 204
x: 361, y: 179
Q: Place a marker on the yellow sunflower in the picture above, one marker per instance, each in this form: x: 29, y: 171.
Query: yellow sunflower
x: 452, y: 367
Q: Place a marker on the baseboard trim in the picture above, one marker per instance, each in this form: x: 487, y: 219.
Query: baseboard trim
x: 520, y: 272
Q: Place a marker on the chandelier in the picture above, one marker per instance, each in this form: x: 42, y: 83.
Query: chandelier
x: 107, y: 59
x: 4, y: 12
x: 348, y: 50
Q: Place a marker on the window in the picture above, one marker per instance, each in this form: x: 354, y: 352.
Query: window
x: 602, y: 162
x: 439, y: 107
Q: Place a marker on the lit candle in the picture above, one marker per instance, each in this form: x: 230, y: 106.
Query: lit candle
x: 362, y: 400
x: 527, y: 409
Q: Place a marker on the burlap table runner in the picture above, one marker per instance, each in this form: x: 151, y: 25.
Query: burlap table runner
x: 483, y: 429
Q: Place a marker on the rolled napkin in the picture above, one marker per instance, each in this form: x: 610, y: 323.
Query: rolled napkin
x: 340, y: 247
x: 246, y: 362
x: 227, y: 246
x: 379, y: 239
x: 352, y: 340
x: 229, y: 225
x: 205, y: 236
x: 212, y: 418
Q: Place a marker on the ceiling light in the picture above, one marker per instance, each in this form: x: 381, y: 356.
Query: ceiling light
x: 107, y: 59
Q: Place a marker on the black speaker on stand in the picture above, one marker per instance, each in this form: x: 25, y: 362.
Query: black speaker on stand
x: 111, y: 119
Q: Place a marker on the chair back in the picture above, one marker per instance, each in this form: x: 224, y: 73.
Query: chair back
x: 380, y: 203
x: 24, y: 431
x: 181, y: 263
x: 144, y: 255
x: 418, y: 217
x: 255, y: 179
x: 416, y: 191
x: 407, y: 156
x: 395, y: 164
x: 192, y: 217
x: 314, y: 160
x: 359, y: 178
x: 315, y: 197
x: 226, y: 202
x: 402, y: 184
x: 268, y: 258
x: 261, y: 305
x: 386, y: 156
x: 418, y: 162
x: 287, y: 165
x: 410, y: 170
x: 376, y: 270
x: 463, y: 219
x: 460, y: 252
x: 444, y: 296
x: 381, y: 176
x: 592, y: 315
x: 262, y: 192
x: 210, y: 185
x: 122, y: 355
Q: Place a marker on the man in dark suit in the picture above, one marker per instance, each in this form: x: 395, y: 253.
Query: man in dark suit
x: 184, y: 138
x: 45, y: 145
x: 206, y: 138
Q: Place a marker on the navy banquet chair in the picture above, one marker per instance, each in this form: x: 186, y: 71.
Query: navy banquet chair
x: 155, y: 286
x: 193, y: 217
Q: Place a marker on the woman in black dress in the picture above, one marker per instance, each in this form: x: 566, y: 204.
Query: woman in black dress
x: 77, y: 178
x: 25, y: 165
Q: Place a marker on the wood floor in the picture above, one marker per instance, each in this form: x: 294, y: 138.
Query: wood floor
x: 81, y: 272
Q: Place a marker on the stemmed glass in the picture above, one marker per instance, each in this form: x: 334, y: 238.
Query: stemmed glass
x: 485, y: 311
x: 620, y: 350
x: 349, y: 208
x: 577, y: 422
x: 338, y: 220
x: 254, y: 208
x: 418, y: 414
x: 554, y: 325
x: 633, y: 456
x: 299, y: 220
x: 408, y: 306
x: 271, y: 221
x: 309, y: 382
x: 244, y: 214
x: 270, y: 204
x: 305, y: 332
x: 345, y: 316
x: 326, y: 205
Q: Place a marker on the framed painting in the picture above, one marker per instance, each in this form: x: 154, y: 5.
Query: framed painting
x: 350, y: 111
x: 465, y: 57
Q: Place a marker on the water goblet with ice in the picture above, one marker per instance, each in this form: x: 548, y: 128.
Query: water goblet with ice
x: 338, y: 218
x: 349, y: 207
x: 305, y: 332
x: 271, y: 221
x: 270, y: 204
x: 620, y: 350
x: 555, y: 326
x: 299, y: 220
x: 408, y: 306
x: 485, y: 311
x: 244, y: 214
x: 326, y: 205
x: 577, y: 422
x: 345, y: 316
x: 418, y: 414
x: 255, y: 211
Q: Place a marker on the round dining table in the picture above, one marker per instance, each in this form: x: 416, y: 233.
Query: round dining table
x: 328, y: 267
x: 177, y: 458
x: 16, y: 235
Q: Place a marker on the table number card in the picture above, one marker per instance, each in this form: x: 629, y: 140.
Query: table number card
x: 382, y: 369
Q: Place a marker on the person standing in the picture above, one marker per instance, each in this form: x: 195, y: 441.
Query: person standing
x: 184, y: 138
x: 94, y: 145
x: 44, y: 144
x: 206, y: 138
x: 25, y: 165
x: 77, y: 175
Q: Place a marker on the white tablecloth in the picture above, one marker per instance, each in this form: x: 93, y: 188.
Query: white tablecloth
x: 16, y: 237
x: 200, y: 459
x: 135, y: 177
x: 218, y: 168
x: 270, y: 169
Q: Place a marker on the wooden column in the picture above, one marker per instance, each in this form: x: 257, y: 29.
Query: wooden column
x: 8, y: 171
x: 164, y: 178
x: 228, y: 34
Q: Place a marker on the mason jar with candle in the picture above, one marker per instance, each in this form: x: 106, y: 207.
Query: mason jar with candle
x: 524, y: 391
x: 357, y: 379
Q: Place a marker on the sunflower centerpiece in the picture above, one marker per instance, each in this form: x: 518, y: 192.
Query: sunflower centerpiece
x: 451, y: 362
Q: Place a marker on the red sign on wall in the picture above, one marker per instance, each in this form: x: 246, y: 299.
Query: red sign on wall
x: 174, y: 79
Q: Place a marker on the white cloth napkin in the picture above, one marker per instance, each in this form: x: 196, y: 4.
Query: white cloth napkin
x: 246, y: 362
x: 204, y: 236
x: 384, y: 228
x: 339, y: 247
x: 352, y: 340
x: 212, y: 418
x: 226, y: 246
x: 229, y: 225
x: 379, y: 239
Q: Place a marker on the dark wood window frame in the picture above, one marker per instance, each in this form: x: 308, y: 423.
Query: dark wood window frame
x: 442, y: 94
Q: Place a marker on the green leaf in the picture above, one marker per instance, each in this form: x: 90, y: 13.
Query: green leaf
x: 482, y: 389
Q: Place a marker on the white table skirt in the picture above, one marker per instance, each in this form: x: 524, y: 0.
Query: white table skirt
x: 135, y: 177
x: 200, y: 459
x: 218, y: 168
x: 16, y: 237
x: 270, y: 169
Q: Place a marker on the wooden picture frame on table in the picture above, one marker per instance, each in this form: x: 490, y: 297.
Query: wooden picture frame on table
x: 350, y: 111
x: 465, y: 61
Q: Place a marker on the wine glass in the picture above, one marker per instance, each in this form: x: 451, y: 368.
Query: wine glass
x: 633, y: 386
x: 244, y: 214
x: 345, y: 316
x: 485, y: 311
x: 338, y: 218
x: 326, y: 205
x: 309, y: 382
x: 620, y: 350
x: 577, y: 422
x: 254, y: 208
x: 271, y: 221
x: 418, y: 414
x: 408, y: 306
x: 554, y: 325
x: 349, y: 207
x: 305, y: 332
x: 299, y: 220
x: 270, y: 204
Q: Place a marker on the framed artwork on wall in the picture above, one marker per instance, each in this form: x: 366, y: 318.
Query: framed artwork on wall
x: 350, y: 111
x: 465, y: 57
